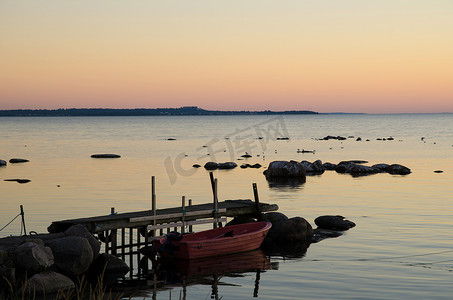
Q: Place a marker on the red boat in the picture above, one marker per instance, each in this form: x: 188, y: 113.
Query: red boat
x: 214, y: 242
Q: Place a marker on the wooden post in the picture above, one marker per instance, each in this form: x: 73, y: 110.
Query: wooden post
x: 131, y: 248
x: 153, y: 200
x: 123, y: 243
x: 190, y: 204
x: 257, y: 203
x: 23, y: 219
x: 211, y: 177
x: 216, y: 203
x: 183, y: 218
x: 113, y: 233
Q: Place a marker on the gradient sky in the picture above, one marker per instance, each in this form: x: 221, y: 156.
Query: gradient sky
x: 386, y: 56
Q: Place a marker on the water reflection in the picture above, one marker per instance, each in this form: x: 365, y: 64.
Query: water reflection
x: 174, y: 270
x: 163, y: 273
x: 288, y: 183
x: 295, y: 250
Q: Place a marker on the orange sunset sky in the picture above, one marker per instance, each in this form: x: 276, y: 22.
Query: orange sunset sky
x: 387, y: 56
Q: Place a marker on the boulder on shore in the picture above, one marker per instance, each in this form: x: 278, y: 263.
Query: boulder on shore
x: 33, y: 257
x: 73, y: 254
x: 82, y: 231
x: 109, y: 267
x: 49, y: 282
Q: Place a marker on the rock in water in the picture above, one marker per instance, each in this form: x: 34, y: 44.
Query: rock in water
x: 286, y: 232
x: 398, y: 169
x: 19, y: 180
x: 18, y: 160
x: 227, y: 165
x: 334, y: 223
x: 105, y: 156
x: 211, y: 165
x: 285, y: 169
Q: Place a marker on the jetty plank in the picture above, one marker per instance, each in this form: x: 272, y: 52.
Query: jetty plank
x: 227, y: 208
x: 188, y: 223
x: 199, y: 214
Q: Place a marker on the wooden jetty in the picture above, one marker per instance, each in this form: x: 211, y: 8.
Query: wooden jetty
x: 173, y: 217
x: 129, y: 233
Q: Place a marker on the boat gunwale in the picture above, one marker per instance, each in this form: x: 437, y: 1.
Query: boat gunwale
x: 211, y: 240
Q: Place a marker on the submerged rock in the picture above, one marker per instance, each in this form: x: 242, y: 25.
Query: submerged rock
x: 227, y: 165
x: 19, y: 180
x: 334, y: 223
x: 18, y: 160
x: 320, y: 234
x: 105, y: 156
x: 211, y: 165
x: 398, y: 169
x: 330, y: 137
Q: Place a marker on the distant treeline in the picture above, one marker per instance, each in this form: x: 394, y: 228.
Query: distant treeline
x: 182, y: 111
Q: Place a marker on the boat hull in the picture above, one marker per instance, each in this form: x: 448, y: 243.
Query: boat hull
x: 215, y: 242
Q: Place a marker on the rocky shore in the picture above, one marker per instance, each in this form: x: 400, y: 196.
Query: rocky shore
x: 50, y: 263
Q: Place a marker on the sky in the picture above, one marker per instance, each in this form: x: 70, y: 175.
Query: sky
x: 386, y: 56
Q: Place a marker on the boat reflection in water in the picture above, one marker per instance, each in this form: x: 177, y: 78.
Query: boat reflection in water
x: 209, y: 271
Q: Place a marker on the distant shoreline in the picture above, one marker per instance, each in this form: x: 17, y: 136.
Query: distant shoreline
x: 97, y: 112
x: 182, y: 111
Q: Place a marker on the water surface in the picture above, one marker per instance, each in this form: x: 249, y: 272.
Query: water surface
x: 401, y: 247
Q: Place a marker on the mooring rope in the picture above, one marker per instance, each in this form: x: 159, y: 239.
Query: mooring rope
x: 10, y: 221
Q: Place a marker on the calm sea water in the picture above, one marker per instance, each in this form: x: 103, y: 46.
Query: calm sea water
x: 401, y: 247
